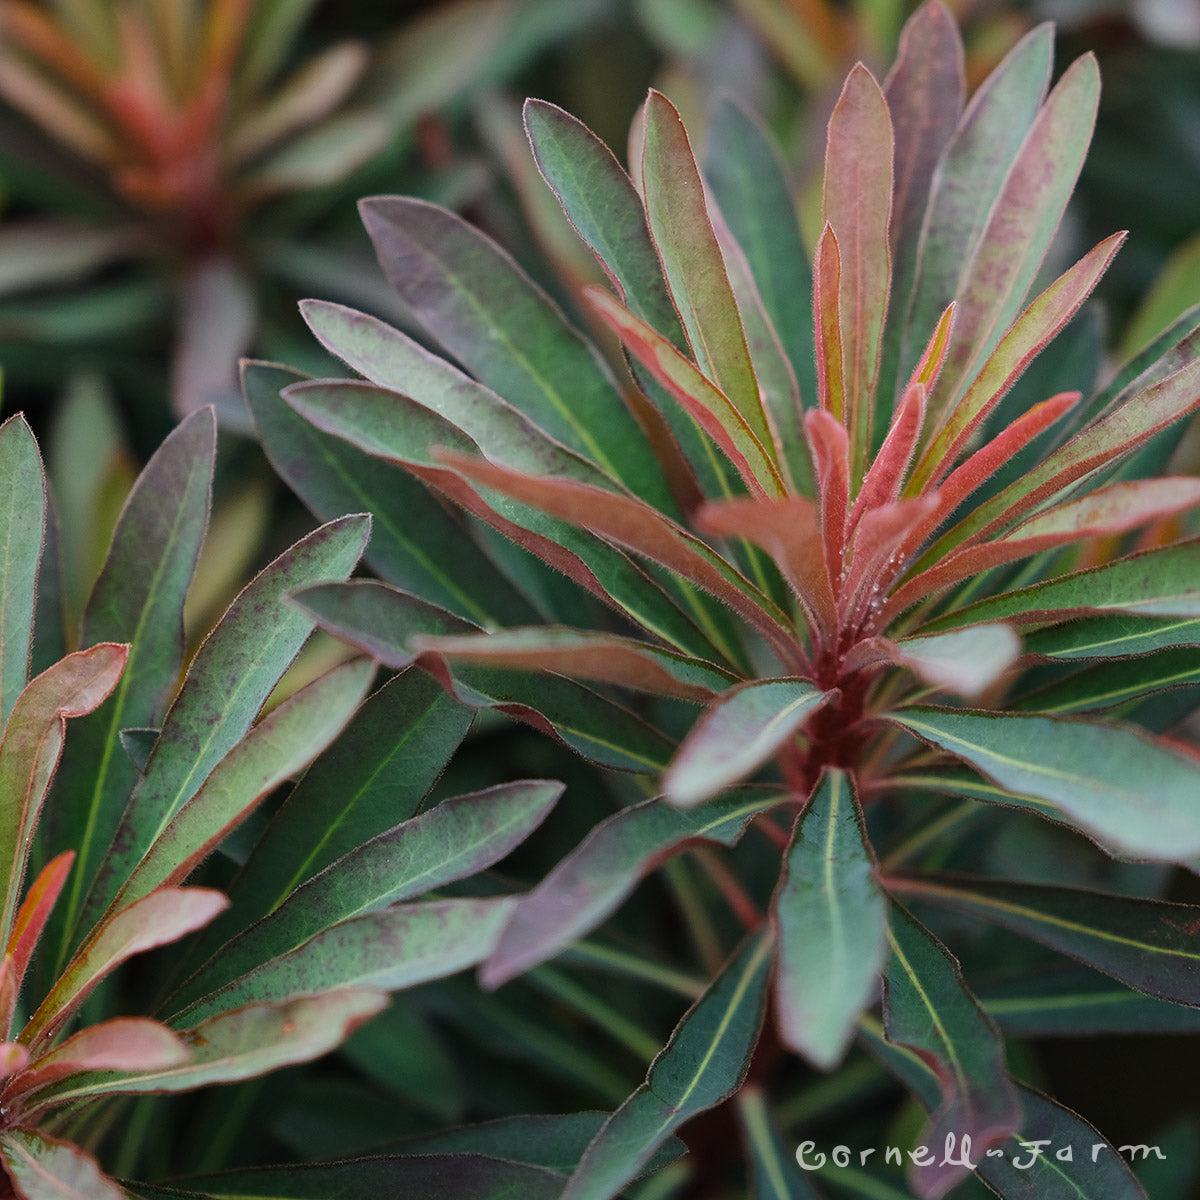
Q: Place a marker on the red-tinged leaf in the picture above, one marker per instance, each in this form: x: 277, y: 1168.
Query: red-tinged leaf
x: 789, y: 532
x: 32, y: 916
x: 1038, y: 325
x: 14, y: 1057
x: 122, y: 1044
x: 878, y: 547
x: 1020, y: 227
x: 44, y: 1168
x: 1113, y: 509
x: 10, y: 991
x: 711, y: 408
x: 830, y: 921
x: 590, y: 882
x: 928, y: 1008
x: 740, y: 732
x: 882, y: 484
x: 32, y: 743
x: 830, y: 448
x: 155, y: 920
x: 930, y: 367
x: 633, y: 525
x: 857, y: 206
x: 604, y: 657
x: 677, y: 212
x: 831, y: 369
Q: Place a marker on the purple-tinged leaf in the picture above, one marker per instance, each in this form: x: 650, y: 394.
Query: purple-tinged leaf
x: 831, y: 456
x: 831, y: 366
x: 44, y: 1168
x: 857, y: 207
x: 882, y: 484
x: 969, y: 178
x: 472, y: 297
x: 243, y: 1043
x: 1042, y: 321
x: 710, y: 407
x: 589, y: 883
x: 122, y: 1044
x: 232, y: 675
x: 1020, y: 227
x: 1133, y: 793
x: 30, y: 750
x: 23, y: 503
x: 138, y: 598
x: 789, y: 532
x: 603, y: 657
x: 741, y: 730
x: 454, y: 840
x: 830, y: 924
x: 1151, y: 945
x: 283, y: 743
x: 703, y: 1063
x: 399, y: 947
x: 928, y: 1008
x: 155, y: 920
x: 878, y: 553
x: 677, y: 213
x: 964, y: 661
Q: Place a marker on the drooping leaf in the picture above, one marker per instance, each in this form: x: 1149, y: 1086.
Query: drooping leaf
x: 590, y: 882
x: 483, y: 309
x: 742, y: 730
x: 415, y: 543
x: 396, y: 948
x: 23, y: 488
x: 830, y: 922
x: 928, y: 1009
x: 704, y: 1062
x: 229, y: 680
x: 46, y: 1168
x: 1131, y: 792
x: 454, y: 840
x: 1148, y: 944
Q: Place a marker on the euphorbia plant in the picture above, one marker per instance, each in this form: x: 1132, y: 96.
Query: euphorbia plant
x: 813, y: 555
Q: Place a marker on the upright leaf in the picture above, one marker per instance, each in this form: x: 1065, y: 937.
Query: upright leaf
x: 702, y: 1064
x: 830, y: 921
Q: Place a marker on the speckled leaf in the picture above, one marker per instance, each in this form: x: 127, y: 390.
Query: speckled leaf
x: 590, y: 882
x: 705, y: 1060
x: 830, y: 921
x: 740, y: 731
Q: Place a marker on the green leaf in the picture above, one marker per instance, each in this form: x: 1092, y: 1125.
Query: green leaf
x: 397, y: 948
x: 45, y: 1168
x: 1132, y: 793
x: 693, y: 265
x: 1147, y: 944
x: 383, y: 622
x: 773, y: 1165
x: 928, y: 1009
x: 1113, y: 637
x: 415, y: 542
x: 454, y: 840
x: 281, y: 744
x: 1112, y: 683
x: 23, y: 488
x: 230, y: 678
x: 241, y: 1044
x: 830, y: 921
x: 493, y: 319
x: 740, y: 732
x: 702, y: 1064
x: 590, y: 882
x: 29, y: 752
x: 138, y: 598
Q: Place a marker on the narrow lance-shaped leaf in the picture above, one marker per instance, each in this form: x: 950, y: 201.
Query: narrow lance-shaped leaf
x: 927, y: 1007
x: 857, y: 207
x: 23, y: 503
x: 677, y: 213
x: 30, y: 922
x: 1151, y: 945
x: 740, y: 732
x: 775, y: 1172
x: 590, y: 882
x: 831, y: 920
x: 32, y: 743
x: 1129, y: 791
x: 231, y: 677
x: 702, y: 1064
